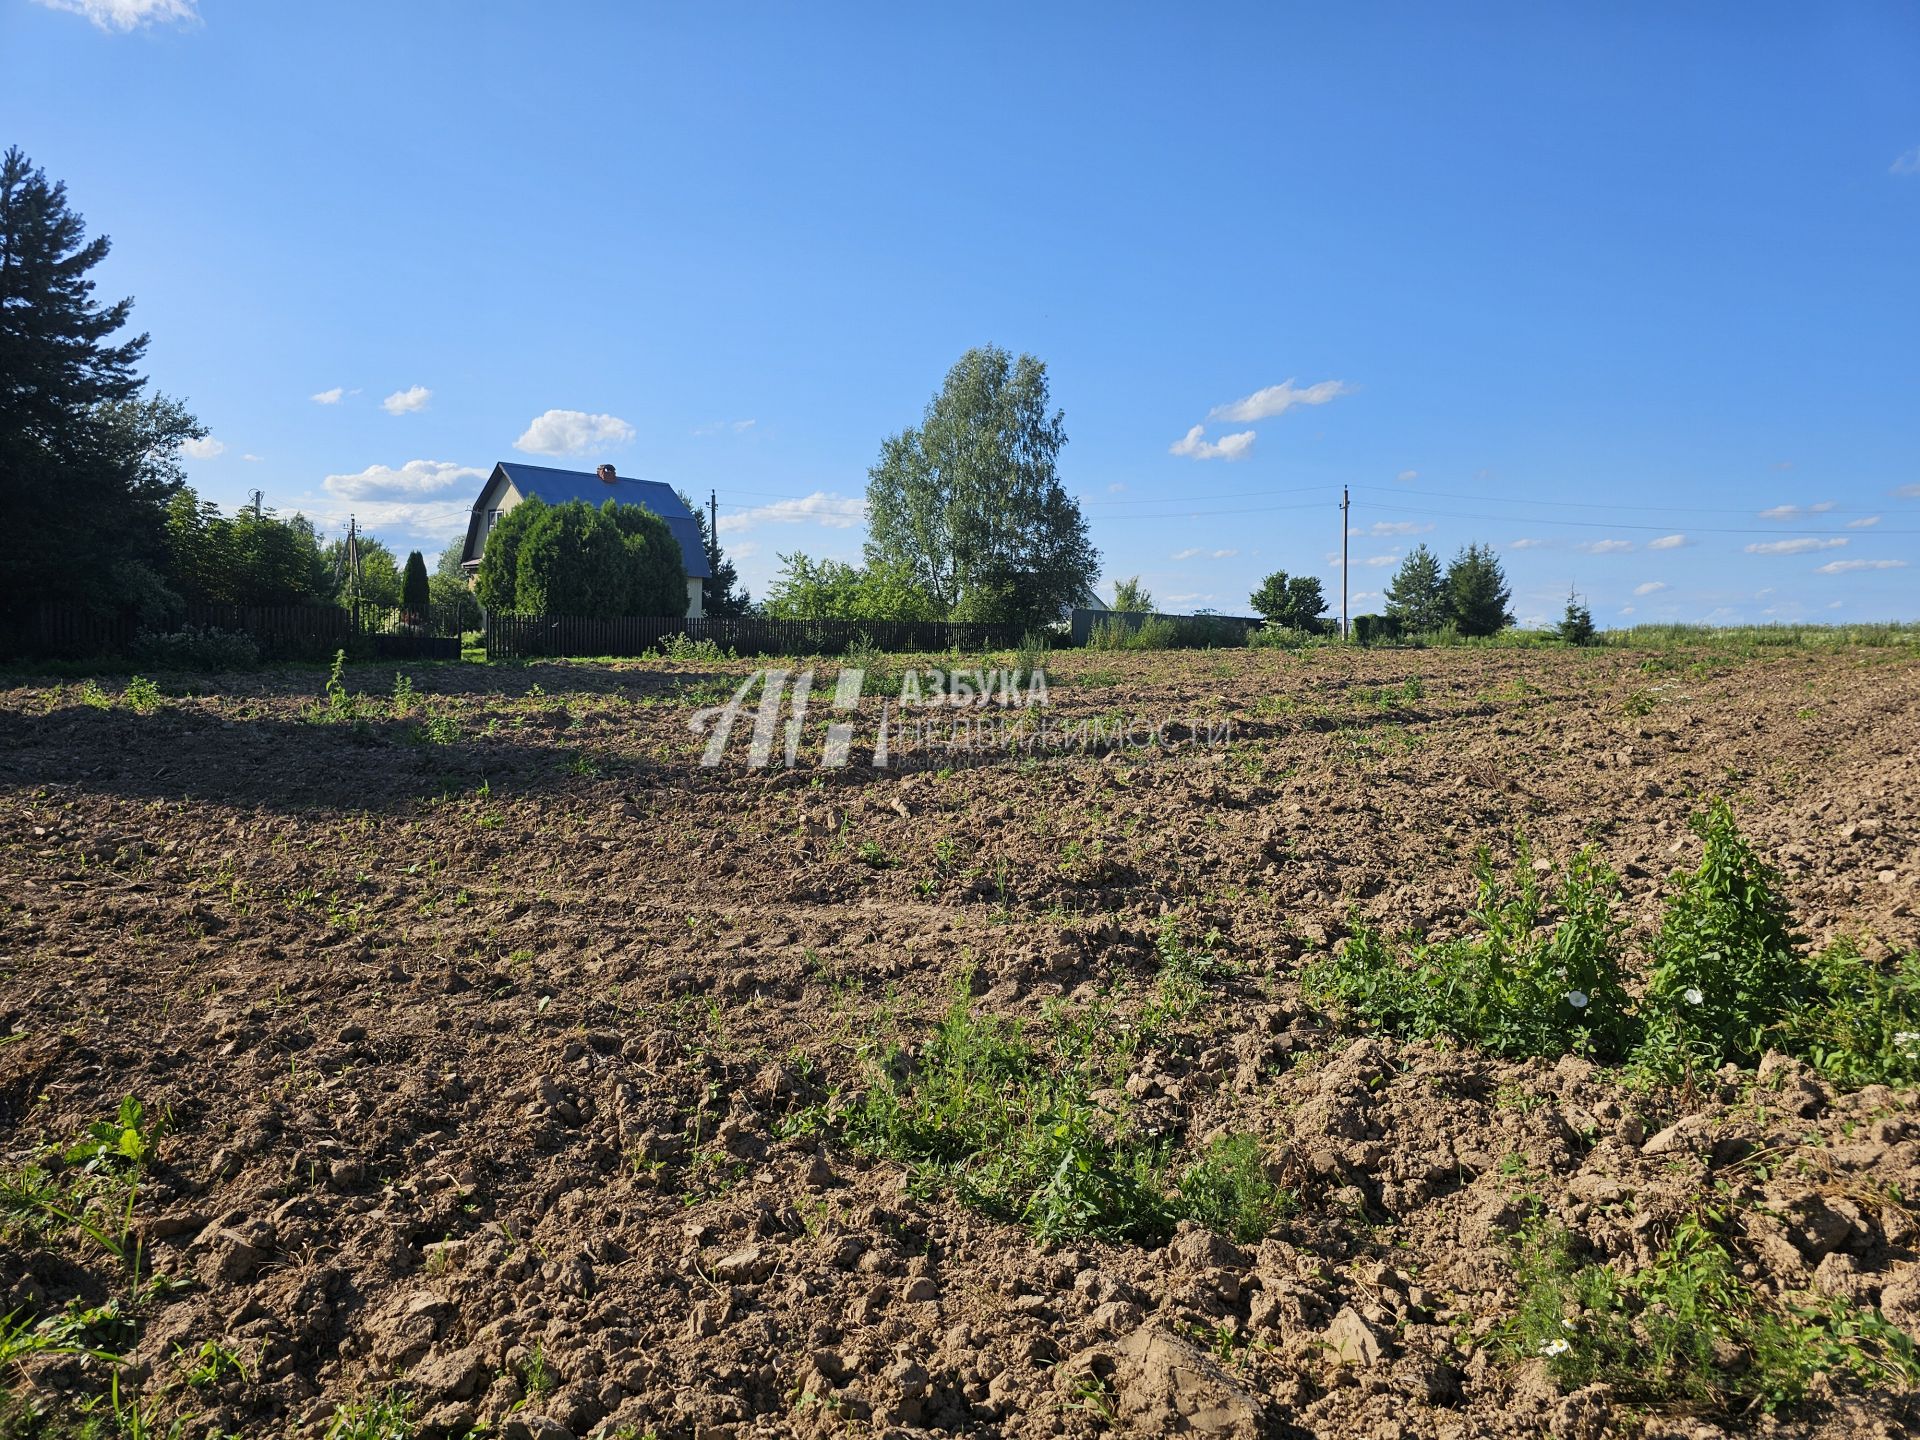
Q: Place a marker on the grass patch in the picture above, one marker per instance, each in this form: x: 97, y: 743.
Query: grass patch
x: 1688, y: 1331
x: 1012, y: 1127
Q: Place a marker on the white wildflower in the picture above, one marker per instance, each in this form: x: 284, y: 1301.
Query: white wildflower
x: 1906, y: 1039
x: 1551, y: 1348
x: 1692, y: 995
x: 1577, y: 999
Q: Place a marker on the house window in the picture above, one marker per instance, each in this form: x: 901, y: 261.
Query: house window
x: 493, y: 519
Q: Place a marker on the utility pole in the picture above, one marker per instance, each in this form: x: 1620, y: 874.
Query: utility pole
x: 713, y: 522
x: 1346, y: 505
x: 353, y: 568
x: 255, y: 498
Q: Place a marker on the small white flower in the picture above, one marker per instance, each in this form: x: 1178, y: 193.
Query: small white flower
x: 1692, y: 995
x: 1551, y: 1348
x: 1577, y: 999
x: 1568, y: 1325
x: 1906, y: 1039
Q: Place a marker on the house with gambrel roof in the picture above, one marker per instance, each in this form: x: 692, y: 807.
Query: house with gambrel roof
x: 511, y: 482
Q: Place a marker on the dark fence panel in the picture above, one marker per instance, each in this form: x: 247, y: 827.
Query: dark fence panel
x: 280, y: 632
x: 1084, y: 621
x: 525, y: 637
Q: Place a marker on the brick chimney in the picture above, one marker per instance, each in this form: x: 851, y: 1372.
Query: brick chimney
x: 607, y: 477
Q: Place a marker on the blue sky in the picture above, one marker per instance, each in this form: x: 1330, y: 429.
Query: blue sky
x: 1571, y: 280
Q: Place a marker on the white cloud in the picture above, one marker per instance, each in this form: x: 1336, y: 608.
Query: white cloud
x: 838, y: 512
x: 1526, y: 543
x: 718, y: 427
x: 255, y: 458
x: 1845, y: 567
x: 1360, y: 597
x: 1796, y: 547
x: 1907, y: 164
x: 1188, y: 599
x: 416, y: 477
x: 1652, y: 587
x: 1908, y: 492
x: 1225, y: 554
x: 1607, y: 547
x: 435, y: 520
x: 1277, y: 400
x: 1399, y: 527
x: 1626, y: 609
x: 405, y: 402
x: 1863, y: 524
x: 573, y: 432
x: 205, y: 448
x: 1408, y: 475
x: 1187, y: 554
x: 1381, y: 560
x: 1667, y: 542
x: 1229, y: 447
x: 1118, y: 487
x: 125, y: 15
x: 1789, y: 512
x: 329, y: 397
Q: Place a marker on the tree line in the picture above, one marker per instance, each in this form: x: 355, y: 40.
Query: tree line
x: 967, y: 517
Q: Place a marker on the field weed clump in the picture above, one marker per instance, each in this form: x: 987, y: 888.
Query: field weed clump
x: 1688, y: 1330
x: 981, y: 1110
x: 1727, y: 979
x: 1229, y: 1190
x: 1727, y: 967
x: 680, y: 646
x: 1029, y: 1129
x: 1862, y: 1025
x: 142, y: 696
x: 88, y: 1187
x: 340, y: 707
x: 383, y: 1417
x: 1513, y: 987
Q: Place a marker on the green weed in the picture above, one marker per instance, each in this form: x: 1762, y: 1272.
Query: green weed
x: 1726, y: 963
x: 385, y: 1417
x: 1513, y: 987
x: 1687, y: 1330
x: 142, y: 696
x: 1229, y: 1190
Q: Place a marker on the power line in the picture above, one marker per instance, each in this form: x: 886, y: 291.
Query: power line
x: 1608, y: 504
x: 1776, y: 530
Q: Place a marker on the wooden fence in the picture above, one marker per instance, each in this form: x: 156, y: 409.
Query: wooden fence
x: 521, y: 637
x: 278, y: 632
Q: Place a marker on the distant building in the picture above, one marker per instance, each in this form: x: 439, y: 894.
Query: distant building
x: 512, y: 482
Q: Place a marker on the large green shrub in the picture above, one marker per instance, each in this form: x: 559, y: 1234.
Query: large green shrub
x: 572, y: 559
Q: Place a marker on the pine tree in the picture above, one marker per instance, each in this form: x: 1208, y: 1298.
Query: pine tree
x: 87, y: 466
x: 1477, y: 592
x: 1417, y: 594
x: 1576, y: 626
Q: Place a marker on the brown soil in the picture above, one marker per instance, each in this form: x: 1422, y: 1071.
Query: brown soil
x: 479, y: 1055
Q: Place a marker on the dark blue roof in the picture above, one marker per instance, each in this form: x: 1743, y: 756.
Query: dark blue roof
x: 556, y: 487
